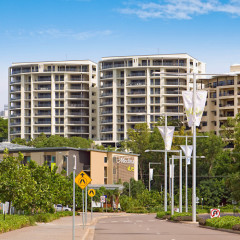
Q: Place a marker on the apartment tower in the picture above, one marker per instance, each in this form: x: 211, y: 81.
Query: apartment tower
x: 131, y: 91
x: 55, y: 98
x: 223, y: 100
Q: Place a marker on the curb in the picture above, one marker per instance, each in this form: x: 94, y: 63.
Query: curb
x: 221, y: 229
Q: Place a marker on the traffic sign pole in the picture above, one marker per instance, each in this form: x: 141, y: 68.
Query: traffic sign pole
x: 83, y: 208
x: 91, y: 209
x: 74, y: 170
x: 86, y: 205
x: 172, y: 185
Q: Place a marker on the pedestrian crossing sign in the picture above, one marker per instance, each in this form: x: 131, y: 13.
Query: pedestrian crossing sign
x: 82, y: 180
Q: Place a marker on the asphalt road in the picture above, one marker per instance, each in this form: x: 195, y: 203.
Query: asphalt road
x: 147, y: 227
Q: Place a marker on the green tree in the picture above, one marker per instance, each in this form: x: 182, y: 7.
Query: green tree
x: 16, y: 184
x: 3, y: 128
x: 138, y: 141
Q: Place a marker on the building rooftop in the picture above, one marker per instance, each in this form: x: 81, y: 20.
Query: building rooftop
x: 16, y: 148
x: 12, y: 146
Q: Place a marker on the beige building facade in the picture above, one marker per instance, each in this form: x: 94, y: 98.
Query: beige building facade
x: 223, y: 100
x: 55, y: 98
x: 131, y: 91
x: 102, y: 166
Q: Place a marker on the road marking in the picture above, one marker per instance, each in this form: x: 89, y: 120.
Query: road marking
x: 148, y: 229
x: 139, y: 221
x: 127, y: 221
x: 114, y: 221
x: 151, y: 220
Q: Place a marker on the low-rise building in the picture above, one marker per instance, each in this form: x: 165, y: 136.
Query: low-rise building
x: 104, y: 167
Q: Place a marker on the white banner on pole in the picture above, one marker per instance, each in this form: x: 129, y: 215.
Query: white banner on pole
x: 187, y: 152
x: 169, y: 136
x: 171, y: 172
x: 201, y: 97
x: 151, y: 174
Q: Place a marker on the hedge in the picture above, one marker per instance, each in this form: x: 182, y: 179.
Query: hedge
x: 227, y: 222
x: 13, y: 222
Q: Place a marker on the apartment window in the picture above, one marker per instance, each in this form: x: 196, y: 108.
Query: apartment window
x: 204, y: 124
x: 204, y: 113
x: 105, y: 175
x: 93, y: 102
x: 93, y: 110
x: 93, y: 127
x: 114, y: 171
x: 114, y: 160
x: 105, y: 159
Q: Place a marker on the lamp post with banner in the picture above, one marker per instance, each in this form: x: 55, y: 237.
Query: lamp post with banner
x: 194, y: 103
x: 151, y: 173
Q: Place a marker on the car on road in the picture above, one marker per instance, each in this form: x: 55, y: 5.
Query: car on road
x: 60, y: 207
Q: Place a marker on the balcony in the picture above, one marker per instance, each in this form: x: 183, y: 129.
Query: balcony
x: 137, y: 74
x: 85, y: 114
x: 226, y: 105
x: 221, y: 94
x: 43, y: 96
x: 136, y: 93
x: 15, y: 81
x: 106, y: 94
x: 79, y: 130
x: 107, y: 76
x: 175, y: 83
x: 15, y: 98
x: 106, y: 121
x: 106, y: 112
x: 139, y: 83
x: 106, y: 85
x: 106, y: 130
x: 137, y: 111
x: 106, y: 103
x: 137, y: 102
x: 137, y: 120
x: 78, y: 122
x: 43, y: 114
x: 44, y: 79
x: 43, y: 122
x: 78, y: 105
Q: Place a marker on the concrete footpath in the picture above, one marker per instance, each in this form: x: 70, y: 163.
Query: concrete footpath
x: 60, y: 229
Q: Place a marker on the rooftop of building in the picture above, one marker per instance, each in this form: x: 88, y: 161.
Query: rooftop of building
x: 171, y: 55
x: 18, y: 148
x: 87, y: 61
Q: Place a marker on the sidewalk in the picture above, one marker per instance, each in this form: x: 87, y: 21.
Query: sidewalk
x: 60, y: 229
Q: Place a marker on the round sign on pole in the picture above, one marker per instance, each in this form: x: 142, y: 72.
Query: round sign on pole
x: 91, y: 192
x: 215, y: 213
x: 102, y: 199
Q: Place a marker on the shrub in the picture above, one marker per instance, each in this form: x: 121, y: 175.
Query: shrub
x: 137, y: 210
x: 202, y: 221
x: 13, y: 222
x: 223, y: 222
x: 236, y: 227
x: 182, y: 217
x: 164, y: 215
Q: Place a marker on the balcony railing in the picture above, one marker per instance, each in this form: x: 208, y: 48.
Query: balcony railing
x: 106, y: 76
x: 106, y: 112
x: 106, y: 103
x: 136, y: 120
x: 136, y: 74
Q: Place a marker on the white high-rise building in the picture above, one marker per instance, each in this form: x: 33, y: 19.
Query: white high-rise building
x: 55, y: 98
x: 131, y: 91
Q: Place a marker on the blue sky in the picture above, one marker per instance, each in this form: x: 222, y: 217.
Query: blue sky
x: 39, y: 30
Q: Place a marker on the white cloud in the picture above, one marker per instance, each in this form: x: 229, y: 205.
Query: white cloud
x: 180, y: 9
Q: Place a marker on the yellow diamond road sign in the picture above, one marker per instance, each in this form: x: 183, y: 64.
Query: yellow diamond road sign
x: 91, y: 192
x: 82, y: 180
